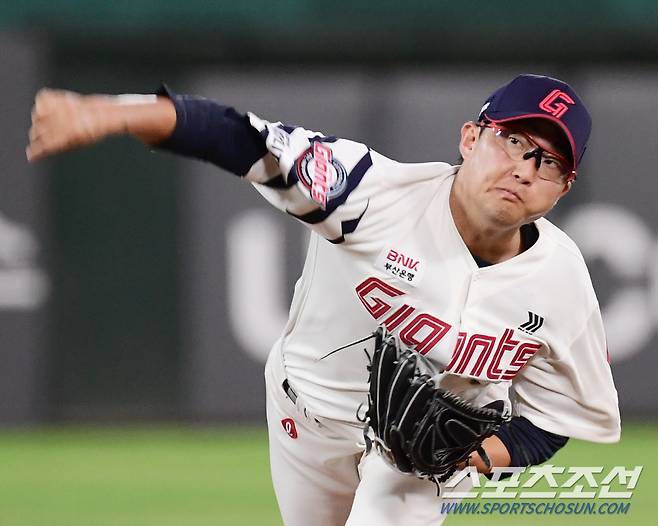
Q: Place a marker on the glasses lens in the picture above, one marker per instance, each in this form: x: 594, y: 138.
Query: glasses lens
x: 552, y: 169
x: 514, y: 144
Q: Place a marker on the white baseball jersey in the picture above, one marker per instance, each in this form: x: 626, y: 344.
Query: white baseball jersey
x: 385, y: 250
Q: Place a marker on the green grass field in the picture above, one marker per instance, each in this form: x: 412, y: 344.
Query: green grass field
x: 198, y: 477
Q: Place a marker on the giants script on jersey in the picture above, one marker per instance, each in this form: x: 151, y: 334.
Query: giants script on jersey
x: 478, y: 355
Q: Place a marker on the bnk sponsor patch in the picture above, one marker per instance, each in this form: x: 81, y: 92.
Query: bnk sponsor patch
x: 400, y: 265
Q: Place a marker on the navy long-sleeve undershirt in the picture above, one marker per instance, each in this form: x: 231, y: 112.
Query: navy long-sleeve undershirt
x: 214, y: 133
x: 527, y: 444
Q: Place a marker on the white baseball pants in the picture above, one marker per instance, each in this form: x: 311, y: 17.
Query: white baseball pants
x: 322, y: 477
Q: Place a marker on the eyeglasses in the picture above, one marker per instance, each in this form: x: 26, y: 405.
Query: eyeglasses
x: 521, y: 146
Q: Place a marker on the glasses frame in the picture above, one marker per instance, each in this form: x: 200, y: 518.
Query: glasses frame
x: 536, y: 152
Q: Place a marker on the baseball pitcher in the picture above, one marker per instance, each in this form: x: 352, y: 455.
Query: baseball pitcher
x: 440, y: 320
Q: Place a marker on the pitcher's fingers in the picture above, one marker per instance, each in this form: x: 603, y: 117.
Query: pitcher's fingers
x: 39, y: 115
x: 41, y: 147
x: 39, y: 101
x: 34, y: 133
x: 33, y: 152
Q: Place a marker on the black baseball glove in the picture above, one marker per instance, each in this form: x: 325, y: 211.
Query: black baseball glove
x: 419, y: 428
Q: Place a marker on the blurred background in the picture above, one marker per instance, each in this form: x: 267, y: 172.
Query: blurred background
x: 137, y: 288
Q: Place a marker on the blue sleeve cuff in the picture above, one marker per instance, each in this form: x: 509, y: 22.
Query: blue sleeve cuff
x: 527, y: 444
x: 214, y: 133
